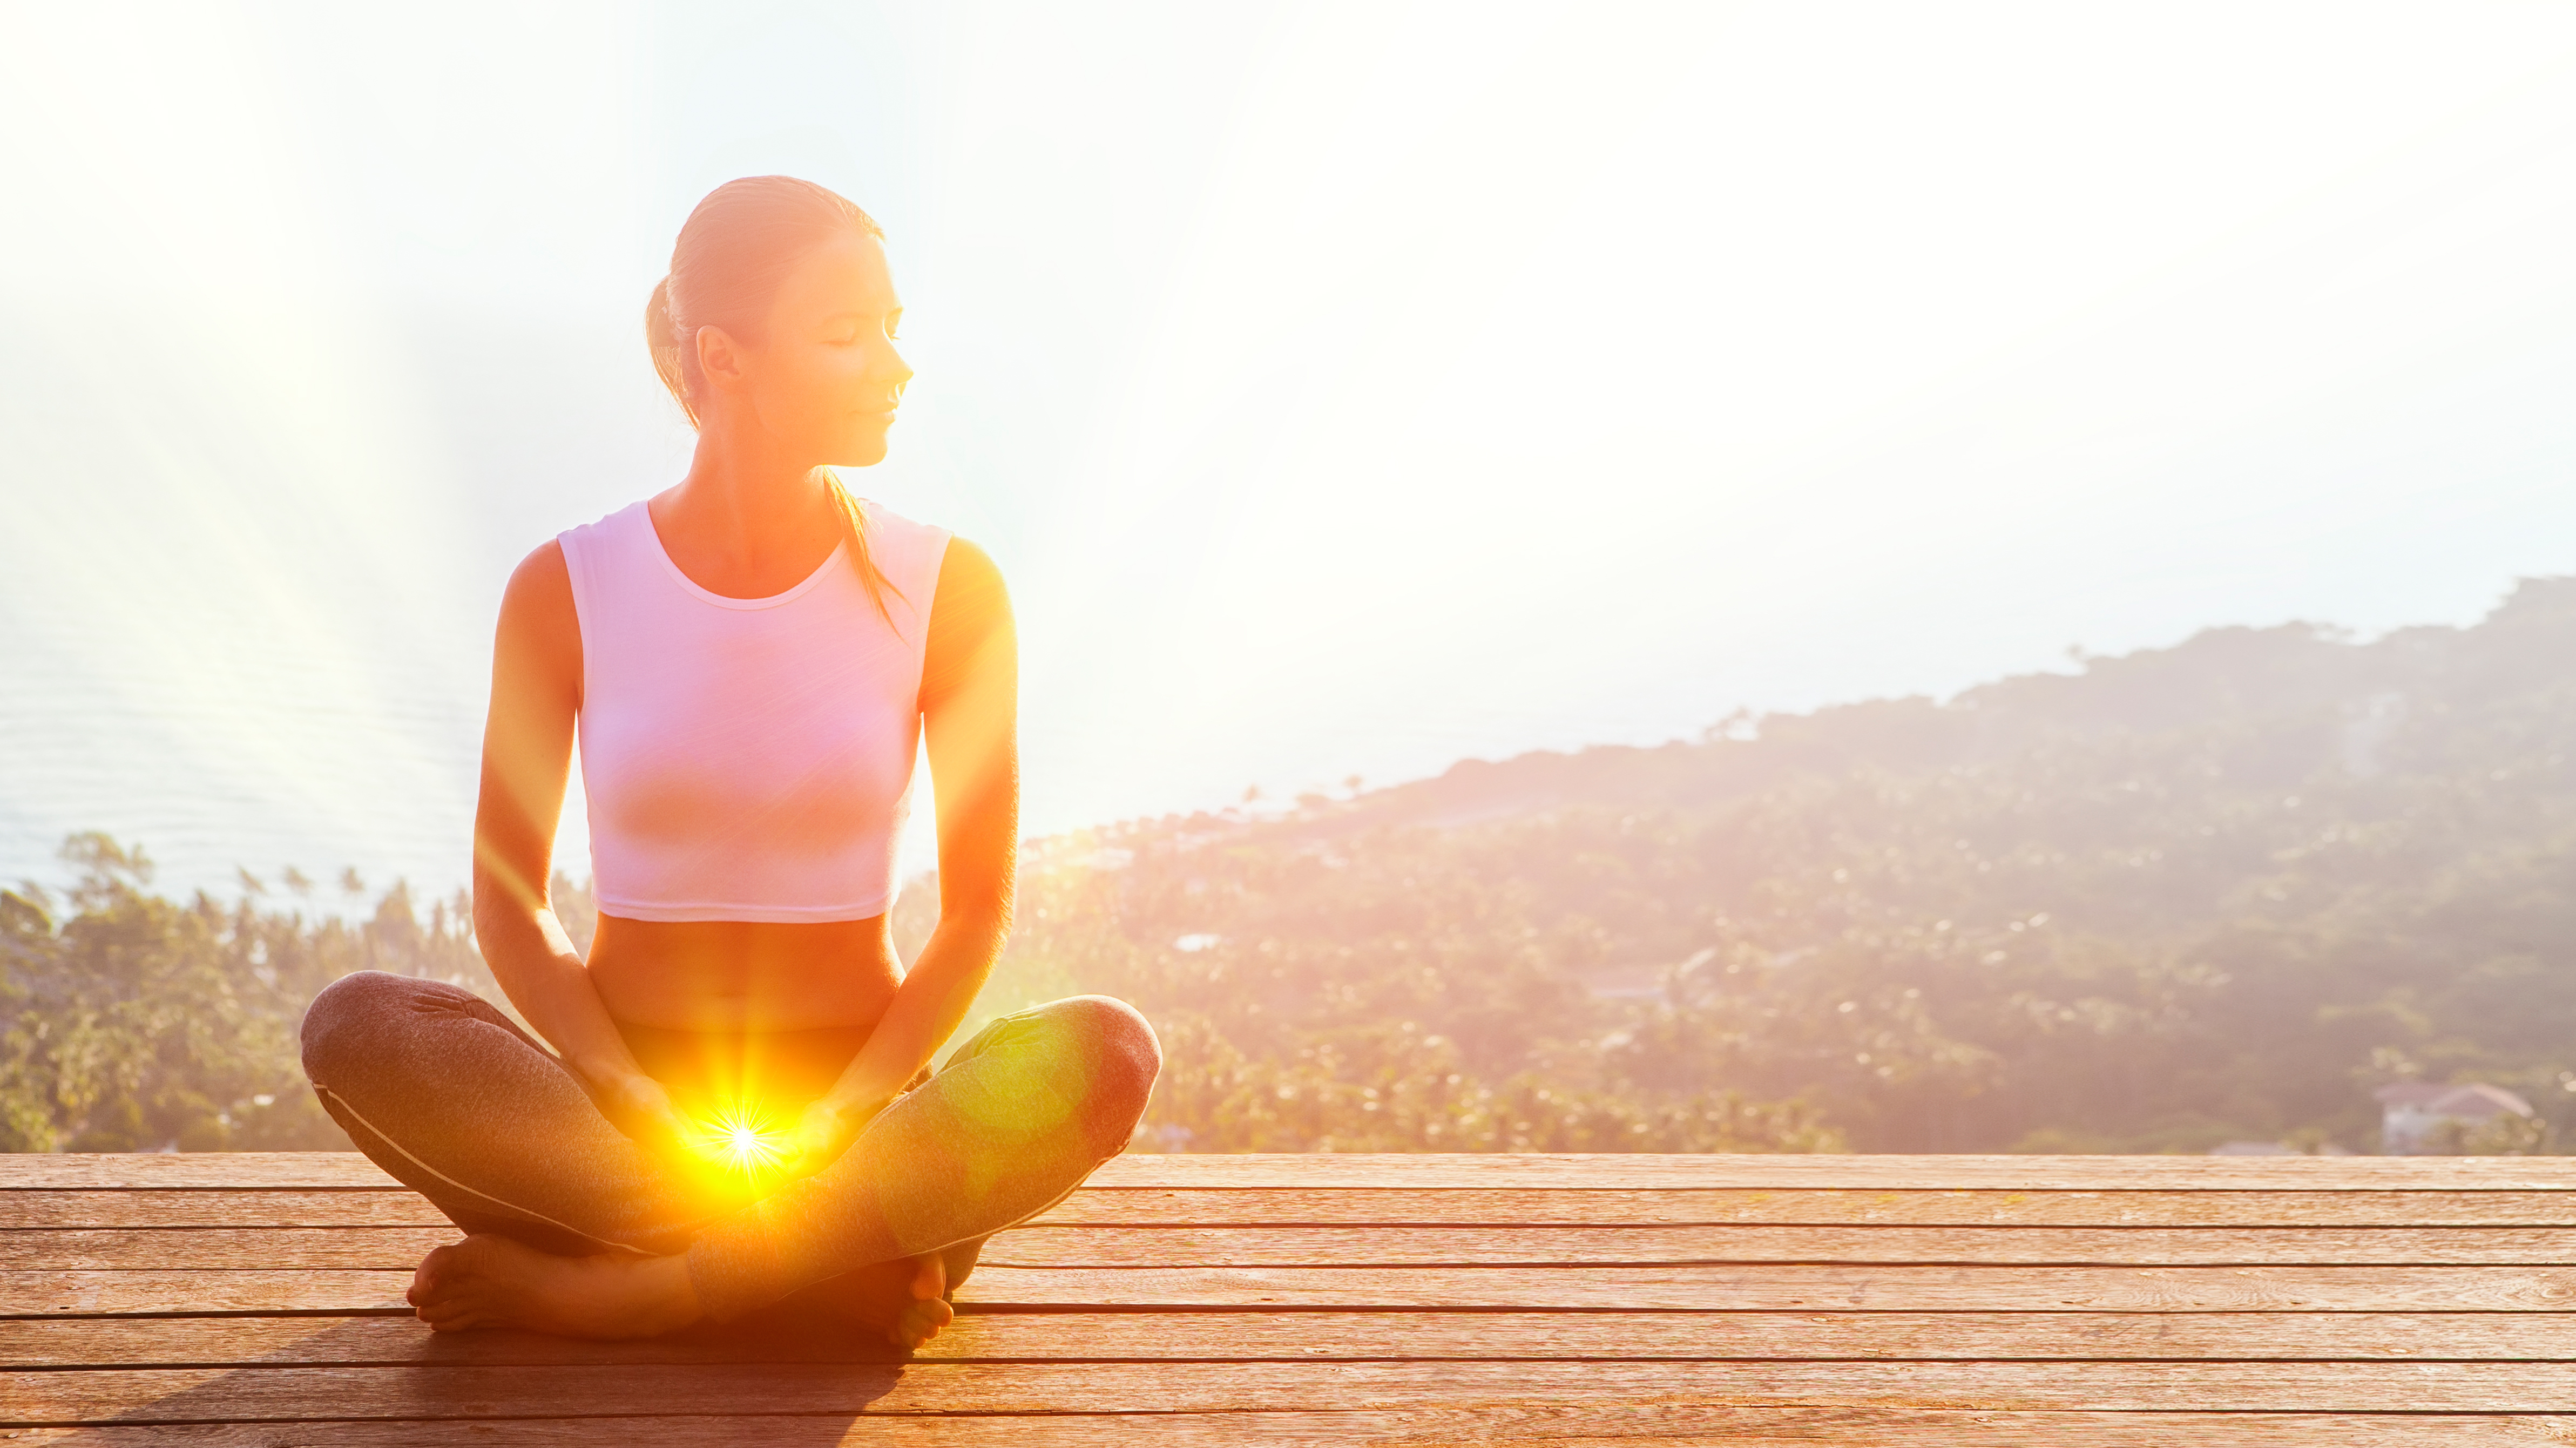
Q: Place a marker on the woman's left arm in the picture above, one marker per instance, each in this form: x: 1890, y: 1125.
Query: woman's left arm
x: 970, y: 724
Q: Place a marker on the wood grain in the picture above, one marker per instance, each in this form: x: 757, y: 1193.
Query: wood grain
x: 1918, y: 1173
x: 47, y: 1294
x: 310, y: 1170
x: 1881, y: 1300
x: 154, y: 1171
x: 1822, y: 1206
x: 399, y: 1248
x: 40, y: 1397
x: 1596, y: 1426
x: 67, y: 1249
x: 42, y: 1208
x: 1759, y: 1288
x: 1790, y: 1288
x: 1050, y: 1246
x: 1359, y: 1206
x: 1325, y: 1336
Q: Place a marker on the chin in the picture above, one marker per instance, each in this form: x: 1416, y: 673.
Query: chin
x: 860, y: 452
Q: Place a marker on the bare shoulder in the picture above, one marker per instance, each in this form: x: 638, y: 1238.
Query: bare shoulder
x: 541, y: 577
x: 539, y: 623
x: 969, y: 577
x: 970, y: 625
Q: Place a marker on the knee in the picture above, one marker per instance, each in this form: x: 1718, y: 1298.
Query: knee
x: 1119, y: 1045
x: 351, y: 1022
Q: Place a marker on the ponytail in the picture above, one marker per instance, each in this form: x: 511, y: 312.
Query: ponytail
x: 663, y: 337
x: 733, y: 251
x: 854, y: 532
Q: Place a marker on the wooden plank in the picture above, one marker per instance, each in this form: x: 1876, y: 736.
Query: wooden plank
x: 154, y: 1171
x: 196, y: 1248
x: 1330, y: 1336
x: 1758, y: 1288
x: 1616, y: 1172
x: 1623, y: 1424
x: 1745, y: 1312
x: 1356, y: 1206
x: 1542, y: 1206
x: 399, y: 1248
x: 1802, y: 1207
x: 38, y: 1397
x: 45, y: 1294
x: 39, y: 1209
x: 1787, y: 1288
x: 311, y: 1170
x: 1537, y: 1246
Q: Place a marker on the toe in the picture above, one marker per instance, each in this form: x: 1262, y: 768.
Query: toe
x: 922, y: 1321
x: 447, y: 1315
x: 429, y: 1279
x: 930, y: 1278
x: 930, y: 1309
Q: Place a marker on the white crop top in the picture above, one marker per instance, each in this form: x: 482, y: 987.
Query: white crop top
x: 747, y: 758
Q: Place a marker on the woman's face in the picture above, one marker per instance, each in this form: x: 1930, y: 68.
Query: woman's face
x: 826, y: 378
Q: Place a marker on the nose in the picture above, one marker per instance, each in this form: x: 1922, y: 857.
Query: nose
x: 894, y: 371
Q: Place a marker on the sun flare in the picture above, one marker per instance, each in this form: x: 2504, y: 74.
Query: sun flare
x: 742, y: 1138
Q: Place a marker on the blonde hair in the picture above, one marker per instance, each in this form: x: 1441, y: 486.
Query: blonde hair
x: 733, y: 252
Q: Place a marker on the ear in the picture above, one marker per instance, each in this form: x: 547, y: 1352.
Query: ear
x: 719, y: 357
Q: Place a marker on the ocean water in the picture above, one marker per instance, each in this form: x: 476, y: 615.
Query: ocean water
x: 255, y: 754
x: 246, y: 602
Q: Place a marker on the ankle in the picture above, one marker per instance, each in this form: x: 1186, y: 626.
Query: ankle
x: 665, y: 1297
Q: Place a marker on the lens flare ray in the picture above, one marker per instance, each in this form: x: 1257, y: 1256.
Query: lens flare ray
x: 743, y: 1139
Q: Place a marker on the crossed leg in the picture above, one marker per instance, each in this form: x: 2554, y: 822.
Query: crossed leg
x: 575, y: 1229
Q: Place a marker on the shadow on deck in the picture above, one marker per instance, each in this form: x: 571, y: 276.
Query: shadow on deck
x: 250, y: 1299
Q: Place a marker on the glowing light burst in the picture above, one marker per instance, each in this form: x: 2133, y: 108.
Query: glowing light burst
x: 742, y: 1138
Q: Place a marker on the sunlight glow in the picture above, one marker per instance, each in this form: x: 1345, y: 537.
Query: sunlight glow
x: 1435, y: 389
x: 742, y: 1139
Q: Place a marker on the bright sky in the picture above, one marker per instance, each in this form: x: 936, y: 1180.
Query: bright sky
x: 1345, y: 390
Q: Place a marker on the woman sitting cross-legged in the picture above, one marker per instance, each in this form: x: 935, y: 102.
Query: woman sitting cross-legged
x: 739, y: 1106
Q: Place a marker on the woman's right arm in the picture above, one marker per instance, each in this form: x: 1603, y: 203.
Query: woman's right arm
x: 527, y: 761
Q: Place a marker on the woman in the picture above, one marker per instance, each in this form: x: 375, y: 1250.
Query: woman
x: 742, y: 1108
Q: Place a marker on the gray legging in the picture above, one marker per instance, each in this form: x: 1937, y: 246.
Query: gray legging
x: 455, y: 1101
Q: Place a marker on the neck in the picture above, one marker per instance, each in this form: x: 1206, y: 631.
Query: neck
x: 746, y: 500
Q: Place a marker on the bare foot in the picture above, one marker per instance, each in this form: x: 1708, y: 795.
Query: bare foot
x: 905, y: 1299
x: 492, y: 1281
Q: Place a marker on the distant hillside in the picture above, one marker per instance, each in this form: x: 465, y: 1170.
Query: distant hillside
x: 2305, y: 687
x: 2218, y: 890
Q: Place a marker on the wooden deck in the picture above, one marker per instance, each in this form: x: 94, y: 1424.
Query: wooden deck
x: 1952, y: 1301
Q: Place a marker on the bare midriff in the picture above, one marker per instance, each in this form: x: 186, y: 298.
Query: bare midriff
x: 747, y: 976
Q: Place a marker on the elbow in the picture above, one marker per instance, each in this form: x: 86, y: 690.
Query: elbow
x: 987, y: 920
x: 496, y: 924
x: 992, y: 926
x: 504, y: 906
x: 504, y: 882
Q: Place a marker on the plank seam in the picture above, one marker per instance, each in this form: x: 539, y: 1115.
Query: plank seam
x: 1459, y: 1407
x: 417, y: 1364
x: 1048, y: 1309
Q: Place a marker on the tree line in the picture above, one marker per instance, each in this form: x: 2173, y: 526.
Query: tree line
x: 2213, y: 892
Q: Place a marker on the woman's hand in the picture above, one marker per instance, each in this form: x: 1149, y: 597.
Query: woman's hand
x: 638, y: 1106
x: 820, y: 1136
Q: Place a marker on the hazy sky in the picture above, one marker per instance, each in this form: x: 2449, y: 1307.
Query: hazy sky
x: 1344, y: 390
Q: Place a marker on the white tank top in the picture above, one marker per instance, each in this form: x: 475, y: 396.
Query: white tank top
x: 747, y: 758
